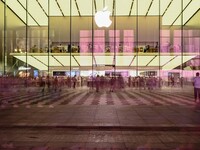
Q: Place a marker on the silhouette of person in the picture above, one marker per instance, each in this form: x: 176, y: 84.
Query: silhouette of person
x: 196, y: 84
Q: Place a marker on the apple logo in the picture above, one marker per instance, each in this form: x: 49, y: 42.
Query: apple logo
x: 102, y: 18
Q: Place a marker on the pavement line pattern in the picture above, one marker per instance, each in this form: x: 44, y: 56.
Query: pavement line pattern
x: 73, y: 102
x: 181, y: 99
x: 137, y: 99
x: 85, y: 97
x: 103, y: 99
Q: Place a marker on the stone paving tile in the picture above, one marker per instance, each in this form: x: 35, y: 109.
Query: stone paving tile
x: 117, y: 113
x: 90, y: 139
x: 103, y: 115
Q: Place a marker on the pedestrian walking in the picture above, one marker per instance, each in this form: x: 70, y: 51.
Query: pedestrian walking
x: 196, y: 84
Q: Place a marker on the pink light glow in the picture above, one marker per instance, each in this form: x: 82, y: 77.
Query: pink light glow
x: 114, y: 40
x: 84, y: 45
x: 114, y: 44
x: 165, y: 41
x: 114, y: 33
x: 128, y: 41
x: 99, y: 44
x: 99, y: 41
x: 164, y: 33
x: 85, y: 40
x: 177, y: 45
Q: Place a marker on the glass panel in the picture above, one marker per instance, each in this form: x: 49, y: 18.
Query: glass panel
x: 123, y: 60
x: 44, y: 4
x: 60, y: 39
x: 65, y: 7
x: 74, y: 8
x: 154, y: 8
x: 37, y: 13
x: 143, y: 6
x: 84, y: 60
x: 65, y: 60
x: 165, y: 41
x: 54, y: 8
x: 100, y: 5
x: 134, y: 45
x: 17, y: 8
x: 128, y: 40
x: 85, y: 41
x: 172, y: 13
x: 2, y: 38
x: 190, y: 7
x: 37, y: 40
x: 147, y: 58
x: 36, y: 64
x: 123, y: 11
x: 84, y: 4
x: 15, y: 39
x: 163, y: 6
x: 114, y: 40
x: 99, y: 41
x: 48, y: 60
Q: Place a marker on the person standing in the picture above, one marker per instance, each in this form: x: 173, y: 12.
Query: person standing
x: 74, y: 80
x: 97, y: 81
x: 42, y: 84
x: 112, y: 84
x: 196, y: 84
x: 55, y: 83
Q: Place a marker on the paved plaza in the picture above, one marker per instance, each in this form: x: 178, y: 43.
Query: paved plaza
x: 166, y: 118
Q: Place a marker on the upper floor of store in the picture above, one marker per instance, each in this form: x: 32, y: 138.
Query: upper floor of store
x: 41, y: 26
x: 37, y: 12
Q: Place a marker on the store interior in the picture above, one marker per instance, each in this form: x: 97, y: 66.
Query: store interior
x: 61, y: 38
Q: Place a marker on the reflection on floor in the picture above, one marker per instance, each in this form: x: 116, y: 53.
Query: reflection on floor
x: 74, y: 119
x: 84, y: 96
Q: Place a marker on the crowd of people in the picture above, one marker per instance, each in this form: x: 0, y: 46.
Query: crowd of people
x: 96, y: 83
x: 100, y: 83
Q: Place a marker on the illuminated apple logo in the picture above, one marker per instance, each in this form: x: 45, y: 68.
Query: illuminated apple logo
x: 102, y: 18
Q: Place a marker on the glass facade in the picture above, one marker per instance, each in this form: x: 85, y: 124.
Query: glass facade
x: 51, y: 38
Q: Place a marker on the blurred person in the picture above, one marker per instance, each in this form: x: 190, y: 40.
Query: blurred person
x: 97, y: 83
x: 34, y: 49
x: 112, y: 84
x: 150, y: 83
x: 172, y: 81
x: 182, y: 81
x: 102, y: 82
x: 48, y: 82
x: 74, y: 80
x: 137, y: 81
x: 78, y: 81
x: 82, y: 81
x: 42, y: 84
x: 146, y: 49
x: 61, y: 83
x: 141, y: 82
x: 196, y: 84
x: 160, y: 82
x: 134, y: 82
x: 120, y: 82
x: 129, y: 81
x: 68, y: 82
x: 55, y: 83
x: 90, y: 83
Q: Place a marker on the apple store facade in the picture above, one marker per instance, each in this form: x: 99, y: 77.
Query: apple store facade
x: 100, y: 37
